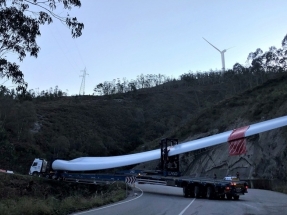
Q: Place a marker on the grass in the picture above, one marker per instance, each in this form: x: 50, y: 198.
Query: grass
x: 47, y: 197
x: 281, y: 189
x: 34, y: 206
x: 280, y: 186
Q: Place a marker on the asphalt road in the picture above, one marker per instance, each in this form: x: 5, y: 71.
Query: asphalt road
x: 153, y: 201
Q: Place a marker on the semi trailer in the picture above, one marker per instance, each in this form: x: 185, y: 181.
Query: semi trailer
x: 167, y: 174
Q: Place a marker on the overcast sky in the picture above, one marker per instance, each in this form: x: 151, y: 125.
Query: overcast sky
x: 126, y: 38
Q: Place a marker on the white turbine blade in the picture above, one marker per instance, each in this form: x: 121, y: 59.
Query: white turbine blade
x: 97, y: 163
x: 212, y: 45
x: 230, y: 48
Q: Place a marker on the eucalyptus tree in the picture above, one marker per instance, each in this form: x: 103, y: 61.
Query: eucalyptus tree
x: 20, y: 22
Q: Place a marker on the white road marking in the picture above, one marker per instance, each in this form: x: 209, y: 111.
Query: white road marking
x: 251, y: 206
x: 112, y: 205
x: 186, y: 207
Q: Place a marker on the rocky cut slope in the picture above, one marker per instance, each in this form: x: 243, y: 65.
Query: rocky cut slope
x: 266, y: 155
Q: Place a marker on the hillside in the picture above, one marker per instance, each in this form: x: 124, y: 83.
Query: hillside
x: 70, y: 127
x: 266, y: 153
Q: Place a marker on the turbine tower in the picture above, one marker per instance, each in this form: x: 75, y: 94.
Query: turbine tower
x: 222, y: 54
x: 82, y: 88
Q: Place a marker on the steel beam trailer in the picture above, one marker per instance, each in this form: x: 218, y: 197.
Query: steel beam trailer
x: 97, y: 178
x: 92, y: 178
x: 200, y: 187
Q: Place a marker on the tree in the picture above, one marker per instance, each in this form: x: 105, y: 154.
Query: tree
x: 19, y: 28
x: 284, y: 42
x: 60, y: 146
x: 19, y: 119
x: 99, y: 89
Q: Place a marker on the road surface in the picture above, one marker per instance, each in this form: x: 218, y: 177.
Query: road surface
x: 153, y: 201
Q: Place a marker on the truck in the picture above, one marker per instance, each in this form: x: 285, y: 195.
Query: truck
x: 166, y: 174
x: 43, y: 168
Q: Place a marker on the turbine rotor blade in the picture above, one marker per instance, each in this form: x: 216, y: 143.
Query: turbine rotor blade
x: 230, y: 48
x: 212, y: 45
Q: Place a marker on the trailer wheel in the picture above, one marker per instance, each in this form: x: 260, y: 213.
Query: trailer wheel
x: 196, y: 191
x: 209, y: 193
x: 221, y: 197
x: 185, y: 192
x: 236, y: 197
x: 229, y: 196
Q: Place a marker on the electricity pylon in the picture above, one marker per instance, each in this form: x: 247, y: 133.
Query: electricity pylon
x: 82, y: 88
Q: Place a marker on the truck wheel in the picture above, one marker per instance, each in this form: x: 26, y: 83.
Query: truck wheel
x: 185, y: 192
x: 36, y: 174
x: 209, y: 193
x: 222, y: 197
x: 196, y: 191
x: 191, y: 192
x: 236, y: 197
x: 229, y: 196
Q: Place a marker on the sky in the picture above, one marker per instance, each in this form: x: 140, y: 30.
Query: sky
x: 127, y: 38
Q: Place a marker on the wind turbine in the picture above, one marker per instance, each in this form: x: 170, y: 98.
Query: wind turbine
x: 222, y: 54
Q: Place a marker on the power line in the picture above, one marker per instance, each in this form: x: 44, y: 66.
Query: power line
x: 73, y: 61
x: 4, y: 82
x: 79, y: 52
x: 60, y: 46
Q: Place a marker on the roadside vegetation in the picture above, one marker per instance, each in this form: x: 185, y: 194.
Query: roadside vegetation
x: 26, y: 195
x: 282, y: 188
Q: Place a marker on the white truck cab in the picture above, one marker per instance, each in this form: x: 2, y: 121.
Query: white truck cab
x: 38, y: 167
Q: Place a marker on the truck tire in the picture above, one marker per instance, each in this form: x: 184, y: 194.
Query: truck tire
x: 209, y: 193
x: 196, y: 191
x: 221, y: 197
x: 35, y: 174
x: 229, y: 196
x: 236, y: 197
x: 185, y: 192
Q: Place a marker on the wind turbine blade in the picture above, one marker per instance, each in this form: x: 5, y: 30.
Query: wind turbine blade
x: 98, y: 163
x: 230, y: 48
x: 212, y: 45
